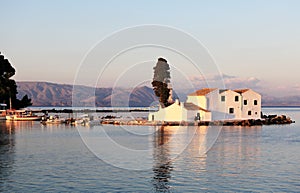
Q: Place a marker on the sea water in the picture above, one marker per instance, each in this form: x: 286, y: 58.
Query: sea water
x: 64, y: 158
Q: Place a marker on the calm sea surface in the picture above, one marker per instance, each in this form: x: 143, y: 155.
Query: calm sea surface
x: 60, y: 158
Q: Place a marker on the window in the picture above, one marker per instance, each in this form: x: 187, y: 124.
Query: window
x: 222, y: 98
x: 245, y: 102
x: 249, y: 112
x: 255, y: 102
x: 231, y: 110
x: 236, y: 98
x: 255, y: 113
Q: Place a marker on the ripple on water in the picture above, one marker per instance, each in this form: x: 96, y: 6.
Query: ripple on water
x: 55, y: 159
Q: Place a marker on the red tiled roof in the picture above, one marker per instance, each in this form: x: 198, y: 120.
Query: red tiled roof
x: 202, y: 92
x: 241, y: 90
x: 191, y: 106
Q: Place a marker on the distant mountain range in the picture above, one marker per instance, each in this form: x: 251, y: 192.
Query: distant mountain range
x: 52, y: 94
x: 280, y: 101
x: 60, y: 95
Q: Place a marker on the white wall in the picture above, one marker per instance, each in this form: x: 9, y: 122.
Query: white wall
x: 212, y: 100
x: 170, y: 113
x: 204, y: 116
x: 255, y: 110
x: 198, y: 100
x: 206, y: 102
x: 224, y: 106
x: 178, y: 113
x: 218, y: 110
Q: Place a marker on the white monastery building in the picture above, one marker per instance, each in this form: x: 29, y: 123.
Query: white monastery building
x: 210, y: 104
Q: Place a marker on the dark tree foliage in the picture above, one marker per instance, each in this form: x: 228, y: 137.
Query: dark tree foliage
x: 160, y: 81
x: 8, y: 87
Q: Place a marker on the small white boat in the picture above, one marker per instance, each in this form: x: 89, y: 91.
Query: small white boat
x: 83, y: 120
x: 21, y: 115
x: 53, y: 120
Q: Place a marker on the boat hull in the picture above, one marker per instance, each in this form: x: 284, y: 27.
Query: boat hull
x: 26, y: 118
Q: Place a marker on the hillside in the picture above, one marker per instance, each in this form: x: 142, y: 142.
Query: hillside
x: 281, y: 101
x: 52, y: 94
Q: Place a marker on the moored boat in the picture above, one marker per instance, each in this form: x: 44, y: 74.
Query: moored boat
x: 21, y: 115
x: 53, y: 120
x: 3, y: 111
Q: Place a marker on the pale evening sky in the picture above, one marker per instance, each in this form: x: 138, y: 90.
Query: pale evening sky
x: 250, y: 40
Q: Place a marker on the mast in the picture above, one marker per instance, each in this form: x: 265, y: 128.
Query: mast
x: 10, y: 105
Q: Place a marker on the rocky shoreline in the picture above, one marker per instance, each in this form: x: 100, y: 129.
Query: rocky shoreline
x: 265, y: 120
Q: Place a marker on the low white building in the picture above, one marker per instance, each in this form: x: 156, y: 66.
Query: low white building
x: 212, y: 104
x: 251, y: 104
x: 178, y: 112
x: 229, y: 104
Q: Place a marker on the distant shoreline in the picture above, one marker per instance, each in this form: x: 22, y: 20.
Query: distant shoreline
x: 48, y: 109
x: 91, y: 109
x: 68, y: 107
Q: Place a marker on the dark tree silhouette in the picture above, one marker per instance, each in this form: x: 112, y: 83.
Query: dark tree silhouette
x: 160, y: 81
x: 8, y: 87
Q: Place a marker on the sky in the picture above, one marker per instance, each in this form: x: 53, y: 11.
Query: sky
x: 251, y: 43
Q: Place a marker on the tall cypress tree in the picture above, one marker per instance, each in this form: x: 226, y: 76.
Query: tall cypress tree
x: 8, y: 86
x: 161, y: 78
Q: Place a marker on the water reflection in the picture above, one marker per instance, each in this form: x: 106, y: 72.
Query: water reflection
x: 7, y: 149
x: 238, y: 146
x: 7, y: 137
x: 19, y: 126
x: 241, y: 142
x: 236, y: 151
x: 198, y: 145
x: 183, y: 146
x: 162, y: 158
x: 197, y: 149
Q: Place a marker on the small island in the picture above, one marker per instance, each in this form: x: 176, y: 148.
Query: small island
x: 207, y: 106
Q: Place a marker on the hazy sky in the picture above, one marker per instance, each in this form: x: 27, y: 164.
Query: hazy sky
x: 249, y: 40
